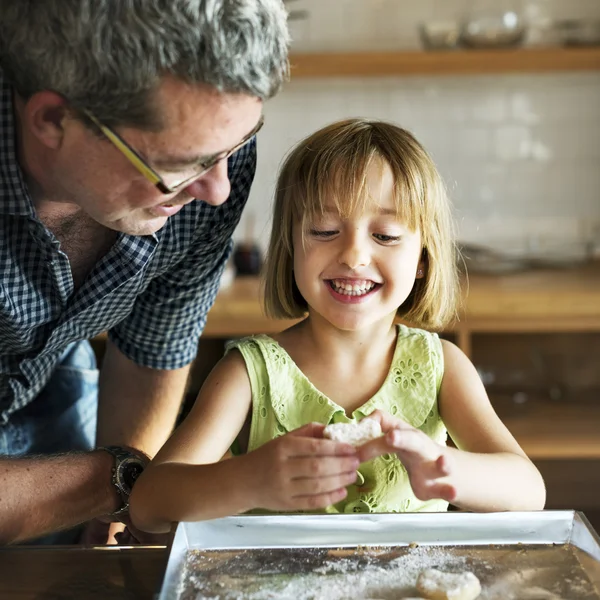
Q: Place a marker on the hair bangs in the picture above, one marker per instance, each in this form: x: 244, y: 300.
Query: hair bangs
x: 333, y: 181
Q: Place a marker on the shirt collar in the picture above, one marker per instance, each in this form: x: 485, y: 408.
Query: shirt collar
x: 14, y: 195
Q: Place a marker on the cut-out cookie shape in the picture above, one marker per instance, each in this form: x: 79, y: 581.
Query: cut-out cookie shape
x: 437, y: 585
x: 355, y: 434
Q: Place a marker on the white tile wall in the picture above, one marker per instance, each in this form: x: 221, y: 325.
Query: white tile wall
x: 520, y: 153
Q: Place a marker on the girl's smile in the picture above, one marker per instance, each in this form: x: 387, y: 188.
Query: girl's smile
x: 352, y: 291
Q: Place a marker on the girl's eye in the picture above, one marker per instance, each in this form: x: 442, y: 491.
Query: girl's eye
x: 387, y: 239
x: 322, y: 233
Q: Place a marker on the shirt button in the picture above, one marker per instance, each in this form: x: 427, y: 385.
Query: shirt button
x: 358, y: 506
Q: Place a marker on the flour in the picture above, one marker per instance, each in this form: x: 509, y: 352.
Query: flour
x: 382, y: 573
x: 370, y: 575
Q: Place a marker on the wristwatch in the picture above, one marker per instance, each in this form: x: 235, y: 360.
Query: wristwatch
x: 127, y: 468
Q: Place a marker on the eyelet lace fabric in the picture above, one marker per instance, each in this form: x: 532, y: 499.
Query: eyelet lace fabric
x: 283, y: 399
x: 407, y: 374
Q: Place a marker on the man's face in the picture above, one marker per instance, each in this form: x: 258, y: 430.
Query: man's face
x: 198, y: 123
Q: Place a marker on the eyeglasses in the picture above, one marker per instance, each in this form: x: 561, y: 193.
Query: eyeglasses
x: 150, y: 174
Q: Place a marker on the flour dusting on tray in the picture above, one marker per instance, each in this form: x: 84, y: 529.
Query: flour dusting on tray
x: 386, y: 573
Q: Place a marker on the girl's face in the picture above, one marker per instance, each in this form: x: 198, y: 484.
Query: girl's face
x: 355, y: 272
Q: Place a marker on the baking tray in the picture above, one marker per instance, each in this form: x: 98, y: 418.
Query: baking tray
x: 547, y: 555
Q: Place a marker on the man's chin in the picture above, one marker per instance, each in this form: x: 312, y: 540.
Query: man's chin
x: 140, y: 226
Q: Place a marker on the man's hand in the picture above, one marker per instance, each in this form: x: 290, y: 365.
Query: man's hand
x: 132, y: 536
x: 300, y: 471
x: 428, y: 464
x: 105, y: 531
x: 101, y: 532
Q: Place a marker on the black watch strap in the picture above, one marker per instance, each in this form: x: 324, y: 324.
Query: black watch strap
x: 128, y: 466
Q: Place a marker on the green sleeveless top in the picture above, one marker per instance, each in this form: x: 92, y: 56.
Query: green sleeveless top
x: 283, y: 399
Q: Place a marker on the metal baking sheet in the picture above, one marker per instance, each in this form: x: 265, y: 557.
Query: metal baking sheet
x: 549, y: 555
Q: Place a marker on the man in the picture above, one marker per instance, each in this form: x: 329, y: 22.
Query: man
x: 127, y: 152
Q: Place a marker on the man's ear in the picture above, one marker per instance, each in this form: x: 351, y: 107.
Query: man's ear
x: 43, y: 114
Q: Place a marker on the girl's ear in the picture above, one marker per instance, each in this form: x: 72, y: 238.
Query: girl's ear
x: 422, y: 266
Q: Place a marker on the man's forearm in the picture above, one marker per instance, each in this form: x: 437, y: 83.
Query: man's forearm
x: 137, y: 406
x: 39, y: 495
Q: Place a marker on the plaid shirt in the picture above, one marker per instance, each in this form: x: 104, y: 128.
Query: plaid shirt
x: 151, y: 293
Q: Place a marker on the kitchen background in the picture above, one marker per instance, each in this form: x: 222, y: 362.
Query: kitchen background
x: 520, y: 153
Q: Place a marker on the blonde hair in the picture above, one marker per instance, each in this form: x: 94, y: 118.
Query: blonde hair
x: 331, y: 166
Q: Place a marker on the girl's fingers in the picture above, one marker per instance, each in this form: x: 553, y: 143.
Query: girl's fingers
x: 374, y: 448
x: 301, y: 444
x: 444, y: 491
x: 309, y: 430
x: 442, y: 465
x: 316, y: 467
x: 387, y: 421
x: 407, y: 444
x: 310, y: 486
x: 413, y: 445
x: 319, y: 501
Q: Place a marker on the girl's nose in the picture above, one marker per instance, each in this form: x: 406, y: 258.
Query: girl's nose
x: 213, y: 187
x: 355, y: 252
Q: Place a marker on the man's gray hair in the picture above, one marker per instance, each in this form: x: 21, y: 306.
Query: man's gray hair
x: 107, y: 56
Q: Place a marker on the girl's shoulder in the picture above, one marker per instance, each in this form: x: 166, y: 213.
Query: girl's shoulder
x: 263, y: 354
x: 250, y: 343
x: 420, y: 352
x: 418, y: 339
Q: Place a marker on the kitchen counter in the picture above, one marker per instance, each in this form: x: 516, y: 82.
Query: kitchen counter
x: 79, y: 573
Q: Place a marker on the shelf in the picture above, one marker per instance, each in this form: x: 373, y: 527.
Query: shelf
x: 541, y: 300
x: 458, y: 62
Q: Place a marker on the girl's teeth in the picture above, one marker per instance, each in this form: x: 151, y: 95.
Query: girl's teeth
x: 349, y: 289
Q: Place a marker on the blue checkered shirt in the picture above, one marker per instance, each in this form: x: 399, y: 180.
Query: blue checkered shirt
x: 151, y: 293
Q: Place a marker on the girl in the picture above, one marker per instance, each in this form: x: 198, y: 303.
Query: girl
x: 362, y: 234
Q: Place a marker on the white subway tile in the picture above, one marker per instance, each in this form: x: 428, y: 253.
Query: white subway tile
x: 490, y: 107
x: 471, y: 142
x: 512, y: 142
x: 522, y: 108
x: 570, y: 141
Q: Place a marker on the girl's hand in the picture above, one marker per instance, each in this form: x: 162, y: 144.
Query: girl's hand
x: 428, y: 464
x: 300, y: 471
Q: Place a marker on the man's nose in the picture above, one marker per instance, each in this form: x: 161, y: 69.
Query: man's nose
x: 355, y: 251
x: 213, y: 187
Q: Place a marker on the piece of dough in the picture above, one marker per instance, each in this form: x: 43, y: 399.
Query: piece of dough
x: 437, y: 585
x: 355, y: 434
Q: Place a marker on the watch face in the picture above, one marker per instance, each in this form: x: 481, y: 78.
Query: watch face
x: 129, y: 470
